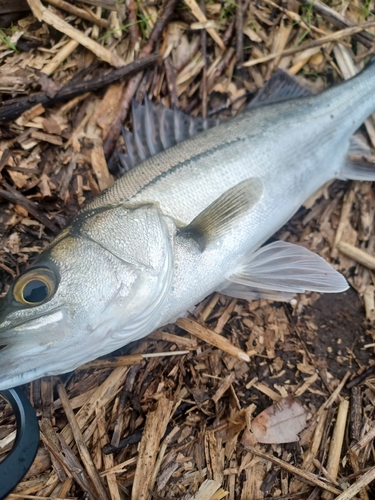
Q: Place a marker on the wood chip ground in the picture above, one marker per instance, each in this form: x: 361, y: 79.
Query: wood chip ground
x: 169, y: 416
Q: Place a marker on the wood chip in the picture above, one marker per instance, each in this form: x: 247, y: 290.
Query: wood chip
x: 44, y: 14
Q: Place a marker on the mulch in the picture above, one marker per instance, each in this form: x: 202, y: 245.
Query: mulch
x: 171, y: 416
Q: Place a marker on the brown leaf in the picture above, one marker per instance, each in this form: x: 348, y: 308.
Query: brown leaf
x: 280, y: 423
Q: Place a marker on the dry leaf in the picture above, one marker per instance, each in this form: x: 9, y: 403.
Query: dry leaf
x: 280, y: 423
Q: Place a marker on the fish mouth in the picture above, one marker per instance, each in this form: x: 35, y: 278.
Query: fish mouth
x: 24, y: 321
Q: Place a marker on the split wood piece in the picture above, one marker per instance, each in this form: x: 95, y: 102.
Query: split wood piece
x: 357, y: 254
x: 369, y: 300
x: 330, y: 401
x: 163, y: 448
x: 295, y: 18
x: 50, y: 138
x: 204, y: 315
x: 305, y: 476
x: 367, y: 438
x: 355, y: 488
x: 49, y: 434
x: 60, y: 57
x: 154, y: 430
x: 13, y: 196
x: 355, y: 413
x: 207, y: 490
x: 197, y: 12
x: 365, y: 38
x: 100, y: 168
x: 82, y: 13
x: 64, y: 455
x: 15, y: 107
x: 44, y: 14
x: 223, y: 387
x: 100, y: 398
x: 315, y: 43
x: 16, y: 496
x: 267, y: 391
x: 108, y: 460
x: 131, y: 88
x: 335, y: 447
x: 186, y: 342
x: 82, y: 448
x: 119, y: 468
x: 311, y: 453
x: 129, y: 360
x: 211, y: 337
x: 308, y: 382
x: 344, y: 218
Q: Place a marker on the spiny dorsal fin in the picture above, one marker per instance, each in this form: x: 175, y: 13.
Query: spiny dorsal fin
x: 156, y: 128
x: 220, y: 217
x: 282, y: 86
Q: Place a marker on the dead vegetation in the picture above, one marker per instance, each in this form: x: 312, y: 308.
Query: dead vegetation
x: 171, y: 416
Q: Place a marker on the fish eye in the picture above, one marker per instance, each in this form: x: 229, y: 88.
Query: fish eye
x: 35, y: 286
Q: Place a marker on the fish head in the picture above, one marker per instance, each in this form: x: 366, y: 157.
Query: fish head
x: 86, y: 295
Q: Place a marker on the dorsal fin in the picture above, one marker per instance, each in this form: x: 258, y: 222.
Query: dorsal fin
x: 282, y: 86
x: 156, y: 128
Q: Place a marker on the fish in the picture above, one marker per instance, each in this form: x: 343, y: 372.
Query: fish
x: 192, y: 217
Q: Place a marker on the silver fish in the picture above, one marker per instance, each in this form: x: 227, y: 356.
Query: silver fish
x: 185, y: 222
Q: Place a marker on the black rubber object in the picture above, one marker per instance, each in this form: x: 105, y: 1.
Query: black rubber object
x: 25, y: 446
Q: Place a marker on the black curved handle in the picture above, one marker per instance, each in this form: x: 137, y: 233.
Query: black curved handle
x: 22, y: 455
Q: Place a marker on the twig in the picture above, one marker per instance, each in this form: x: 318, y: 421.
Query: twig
x: 83, y: 14
x: 357, y: 254
x: 131, y: 88
x: 133, y: 25
x: 105, y: 4
x: 82, y: 449
x: 362, y: 482
x: 366, y: 39
x: 336, y: 445
x: 197, y: 12
x: 212, y: 338
x: 239, y: 33
x: 11, y: 109
x: 305, y: 476
x: 13, y: 196
x: 315, y: 43
x: 130, y: 359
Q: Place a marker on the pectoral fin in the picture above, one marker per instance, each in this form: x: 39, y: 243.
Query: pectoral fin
x: 220, y: 217
x: 280, y: 270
